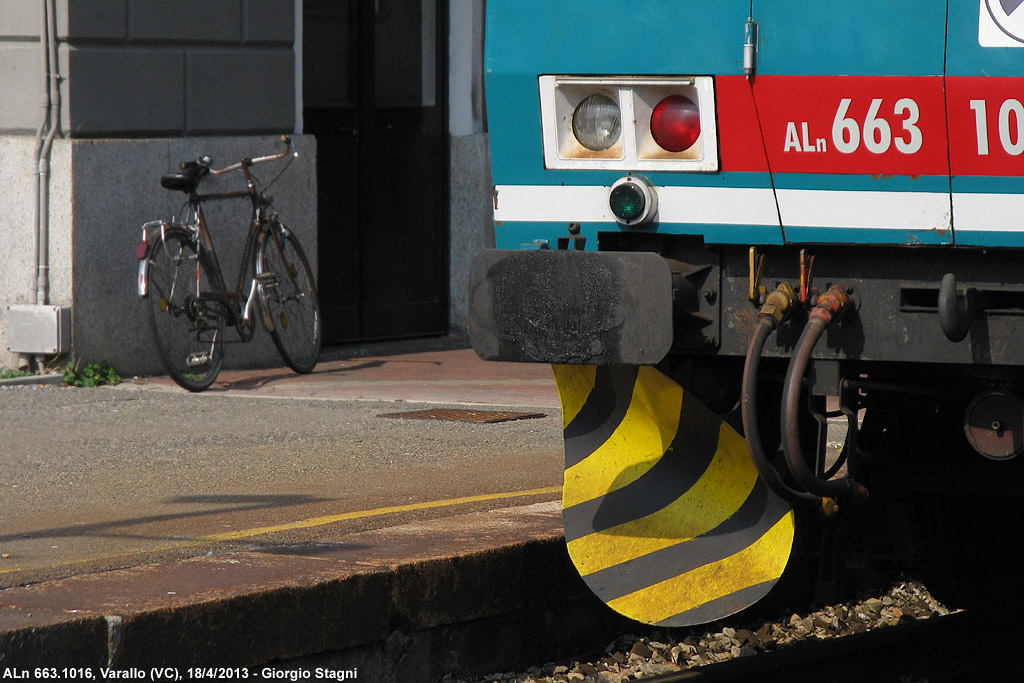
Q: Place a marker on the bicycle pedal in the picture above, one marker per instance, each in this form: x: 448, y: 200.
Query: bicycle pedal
x: 194, y: 360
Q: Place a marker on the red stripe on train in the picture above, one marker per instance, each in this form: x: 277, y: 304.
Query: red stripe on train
x: 876, y: 125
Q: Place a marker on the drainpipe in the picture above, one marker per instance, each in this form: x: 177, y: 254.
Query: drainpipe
x: 43, y: 228
x: 24, y: 360
x: 50, y: 100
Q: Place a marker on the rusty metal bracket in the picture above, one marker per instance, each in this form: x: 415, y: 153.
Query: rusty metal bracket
x: 806, y: 276
x: 755, y: 290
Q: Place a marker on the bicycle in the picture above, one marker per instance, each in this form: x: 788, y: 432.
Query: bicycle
x: 190, y: 307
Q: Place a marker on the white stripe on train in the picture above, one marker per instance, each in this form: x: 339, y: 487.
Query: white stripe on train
x: 589, y: 203
x: 756, y: 206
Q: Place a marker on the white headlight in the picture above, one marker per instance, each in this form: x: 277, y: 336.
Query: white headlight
x: 596, y: 122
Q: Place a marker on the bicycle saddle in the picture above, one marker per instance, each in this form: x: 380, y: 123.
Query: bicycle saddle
x: 187, y: 180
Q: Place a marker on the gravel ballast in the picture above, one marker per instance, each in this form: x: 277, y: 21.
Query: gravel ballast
x: 631, y: 657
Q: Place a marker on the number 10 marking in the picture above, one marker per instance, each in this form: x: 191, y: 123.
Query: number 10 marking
x: 1013, y: 144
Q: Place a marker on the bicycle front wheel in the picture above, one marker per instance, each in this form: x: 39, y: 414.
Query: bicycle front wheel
x: 189, y: 333
x: 288, y: 293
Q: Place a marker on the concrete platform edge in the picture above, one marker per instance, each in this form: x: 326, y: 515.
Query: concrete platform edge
x: 441, y: 611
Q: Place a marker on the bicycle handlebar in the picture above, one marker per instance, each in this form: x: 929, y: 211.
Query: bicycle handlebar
x: 207, y: 161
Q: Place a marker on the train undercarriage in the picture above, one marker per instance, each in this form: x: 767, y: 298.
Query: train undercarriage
x: 699, y: 478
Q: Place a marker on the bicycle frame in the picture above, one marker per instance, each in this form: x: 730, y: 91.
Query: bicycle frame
x: 239, y: 315
x: 232, y: 298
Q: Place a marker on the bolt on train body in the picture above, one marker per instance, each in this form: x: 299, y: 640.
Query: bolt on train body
x: 726, y: 224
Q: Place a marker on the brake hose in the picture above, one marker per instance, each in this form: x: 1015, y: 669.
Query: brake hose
x: 776, y: 309
x: 830, y: 308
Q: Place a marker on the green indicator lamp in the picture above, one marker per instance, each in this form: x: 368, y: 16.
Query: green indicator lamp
x: 632, y: 200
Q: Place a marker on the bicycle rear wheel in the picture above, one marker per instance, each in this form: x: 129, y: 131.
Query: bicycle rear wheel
x: 288, y: 293
x: 189, y: 334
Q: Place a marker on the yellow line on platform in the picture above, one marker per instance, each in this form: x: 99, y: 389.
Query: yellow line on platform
x: 360, y: 514
x: 301, y: 524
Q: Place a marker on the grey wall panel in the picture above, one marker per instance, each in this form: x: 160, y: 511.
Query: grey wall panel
x: 251, y: 90
x: 134, y: 68
x: 185, y: 20
x: 20, y: 86
x: 114, y: 90
x: 268, y: 21
x: 94, y: 20
x: 19, y: 19
x: 17, y: 232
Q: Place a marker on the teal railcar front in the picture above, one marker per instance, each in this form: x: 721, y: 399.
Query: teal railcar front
x: 716, y: 218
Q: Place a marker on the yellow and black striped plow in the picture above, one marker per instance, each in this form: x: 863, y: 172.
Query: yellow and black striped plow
x: 665, y: 516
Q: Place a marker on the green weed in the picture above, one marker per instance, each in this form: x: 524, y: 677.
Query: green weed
x: 92, y: 375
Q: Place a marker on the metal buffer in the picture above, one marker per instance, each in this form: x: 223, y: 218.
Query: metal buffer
x: 665, y: 516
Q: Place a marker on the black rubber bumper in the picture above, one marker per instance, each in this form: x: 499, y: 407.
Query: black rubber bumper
x: 571, y: 307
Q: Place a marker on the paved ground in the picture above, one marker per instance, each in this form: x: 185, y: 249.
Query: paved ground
x: 93, y: 479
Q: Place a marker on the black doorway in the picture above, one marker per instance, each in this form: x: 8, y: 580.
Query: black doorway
x: 374, y: 96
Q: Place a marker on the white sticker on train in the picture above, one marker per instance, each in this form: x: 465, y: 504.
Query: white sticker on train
x: 1001, y: 23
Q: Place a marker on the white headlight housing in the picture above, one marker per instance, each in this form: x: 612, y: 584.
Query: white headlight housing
x: 621, y: 123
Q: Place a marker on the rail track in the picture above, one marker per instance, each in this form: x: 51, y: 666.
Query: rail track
x: 941, y: 649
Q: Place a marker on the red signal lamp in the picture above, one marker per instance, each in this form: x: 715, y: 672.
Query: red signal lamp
x: 675, y: 123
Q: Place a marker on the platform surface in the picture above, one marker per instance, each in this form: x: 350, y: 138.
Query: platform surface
x: 130, y: 500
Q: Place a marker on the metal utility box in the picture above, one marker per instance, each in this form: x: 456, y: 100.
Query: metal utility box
x: 38, y: 329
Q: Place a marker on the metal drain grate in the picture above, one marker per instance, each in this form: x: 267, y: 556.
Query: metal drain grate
x: 461, y: 415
